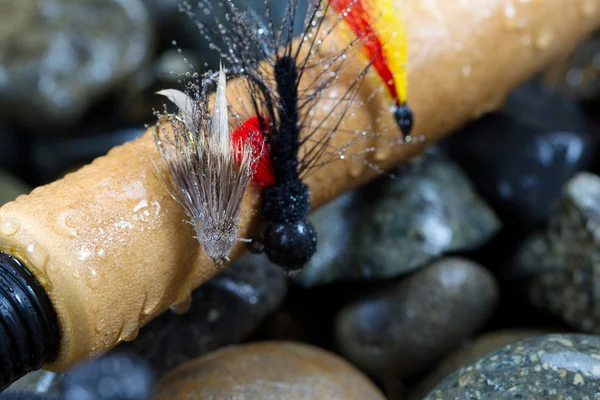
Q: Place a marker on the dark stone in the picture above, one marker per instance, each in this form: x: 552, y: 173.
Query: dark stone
x: 223, y: 311
x: 115, y: 376
x: 519, y: 157
x: 562, y: 260
x: 395, y: 226
x: 11, y: 187
x: 402, y: 328
x: 53, y: 157
x: 59, y: 56
x: 541, y: 367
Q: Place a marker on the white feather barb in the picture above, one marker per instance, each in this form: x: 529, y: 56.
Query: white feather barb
x: 205, y: 177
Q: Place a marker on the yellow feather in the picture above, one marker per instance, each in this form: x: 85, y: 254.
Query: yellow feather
x: 389, y: 23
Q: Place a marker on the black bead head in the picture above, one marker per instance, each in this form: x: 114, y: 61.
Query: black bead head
x: 291, y: 245
x: 404, y: 118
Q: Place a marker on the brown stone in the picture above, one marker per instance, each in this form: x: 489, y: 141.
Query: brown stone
x: 268, y: 370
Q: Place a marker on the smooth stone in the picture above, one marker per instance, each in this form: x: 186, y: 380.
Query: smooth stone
x: 268, y: 370
x: 224, y: 310
x: 59, y: 56
x: 395, y: 226
x: 562, y: 260
x: 468, y: 353
x: 11, y: 187
x: 520, y: 157
x: 404, y: 327
x: 114, y: 376
x: 541, y: 367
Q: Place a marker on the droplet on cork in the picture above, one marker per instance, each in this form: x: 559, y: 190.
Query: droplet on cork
x: 183, y: 306
x: 10, y: 226
x: 544, y: 39
x: 589, y: 7
x: 38, y: 256
x: 382, y: 151
x: 92, y: 278
x: 356, y: 168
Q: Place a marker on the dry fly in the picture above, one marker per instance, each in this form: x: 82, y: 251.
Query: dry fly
x: 208, y: 176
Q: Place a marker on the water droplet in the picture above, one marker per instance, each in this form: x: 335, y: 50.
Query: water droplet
x: 38, y: 256
x: 544, y: 38
x: 76, y: 274
x: 183, y: 306
x: 589, y: 7
x: 466, y: 70
x: 510, y: 16
x: 10, y: 226
x: 356, y: 168
x: 92, y: 278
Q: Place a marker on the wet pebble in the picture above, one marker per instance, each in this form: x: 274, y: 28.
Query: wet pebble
x: 541, y: 367
x: 11, y: 187
x: 468, y: 353
x: 404, y: 327
x: 520, y: 157
x: 115, y: 376
x: 223, y: 311
x: 42, y: 383
x: 397, y: 225
x: 58, y: 57
x: 268, y: 370
x: 562, y: 260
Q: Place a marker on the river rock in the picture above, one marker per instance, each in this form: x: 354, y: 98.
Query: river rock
x: 11, y: 187
x: 563, y: 259
x: 468, y: 353
x: 59, y: 56
x: 541, y: 367
x: 404, y: 327
x: 223, y: 311
x: 520, y: 157
x: 114, y: 376
x: 397, y: 225
x: 268, y: 370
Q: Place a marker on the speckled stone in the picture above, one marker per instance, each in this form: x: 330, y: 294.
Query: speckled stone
x: 564, y: 259
x: 268, y: 371
x: 402, y: 328
x: 395, y: 226
x: 542, y: 367
x: 470, y: 352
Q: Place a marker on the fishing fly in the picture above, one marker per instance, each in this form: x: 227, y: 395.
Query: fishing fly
x: 208, y: 176
x: 294, y: 107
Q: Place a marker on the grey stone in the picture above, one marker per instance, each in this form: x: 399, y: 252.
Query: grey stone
x: 541, y: 367
x: 223, y: 311
x: 564, y: 259
x: 58, y: 56
x: 395, y: 226
x: 404, y: 327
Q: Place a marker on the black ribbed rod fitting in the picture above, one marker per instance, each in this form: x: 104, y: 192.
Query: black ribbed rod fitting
x: 29, y: 332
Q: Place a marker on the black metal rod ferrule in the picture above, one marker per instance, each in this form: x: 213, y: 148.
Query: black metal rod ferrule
x: 29, y: 333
